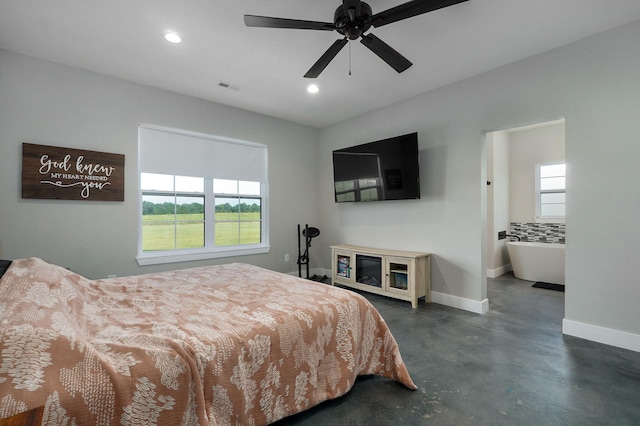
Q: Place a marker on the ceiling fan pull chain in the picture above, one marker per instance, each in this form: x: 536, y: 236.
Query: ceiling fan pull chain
x: 349, y: 58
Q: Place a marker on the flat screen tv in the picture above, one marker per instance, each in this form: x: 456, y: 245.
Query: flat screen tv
x: 387, y: 169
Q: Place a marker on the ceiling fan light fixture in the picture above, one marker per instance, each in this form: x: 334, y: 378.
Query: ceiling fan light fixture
x: 172, y: 37
x: 313, y: 88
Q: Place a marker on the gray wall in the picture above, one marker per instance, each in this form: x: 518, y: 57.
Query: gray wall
x: 49, y: 104
x: 593, y: 83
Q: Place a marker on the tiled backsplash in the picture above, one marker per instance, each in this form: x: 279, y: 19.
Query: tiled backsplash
x: 539, y: 232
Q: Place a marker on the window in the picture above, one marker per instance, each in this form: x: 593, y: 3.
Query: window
x: 238, y: 212
x: 172, y: 212
x: 201, y: 196
x: 550, y: 191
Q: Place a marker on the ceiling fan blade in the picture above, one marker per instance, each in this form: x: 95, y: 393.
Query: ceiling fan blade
x: 327, y: 57
x: 386, y: 52
x: 410, y: 9
x: 268, y: 22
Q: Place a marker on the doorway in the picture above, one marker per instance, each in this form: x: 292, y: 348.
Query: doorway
x: 513, y: 200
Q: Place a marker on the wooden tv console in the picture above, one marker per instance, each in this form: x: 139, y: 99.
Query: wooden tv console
x: 402, y: 275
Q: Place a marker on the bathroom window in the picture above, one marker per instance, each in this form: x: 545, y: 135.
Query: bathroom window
x: 550, y: 191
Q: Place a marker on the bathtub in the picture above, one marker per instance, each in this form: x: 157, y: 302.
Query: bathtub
x: 537, y: 261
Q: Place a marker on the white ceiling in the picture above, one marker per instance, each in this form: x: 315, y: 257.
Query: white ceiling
x: 123, y: 38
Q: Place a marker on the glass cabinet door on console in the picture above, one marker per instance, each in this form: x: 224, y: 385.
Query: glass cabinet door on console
x: 397, y: 274
x: 344, y: 264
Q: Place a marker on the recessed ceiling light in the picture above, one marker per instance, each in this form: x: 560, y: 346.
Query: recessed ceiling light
x: 313, y: 88
x: 172, y: 37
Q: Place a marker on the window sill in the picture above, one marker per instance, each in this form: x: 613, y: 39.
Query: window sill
x: 157, y: 258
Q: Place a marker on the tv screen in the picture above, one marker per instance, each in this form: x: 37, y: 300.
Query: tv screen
x: 387, y: 169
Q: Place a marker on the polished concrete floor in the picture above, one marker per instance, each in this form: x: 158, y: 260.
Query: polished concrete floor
x: 511, y: 366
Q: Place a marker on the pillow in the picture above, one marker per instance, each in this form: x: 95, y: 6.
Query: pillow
x: 4, y: 265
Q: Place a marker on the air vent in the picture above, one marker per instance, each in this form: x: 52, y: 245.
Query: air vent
x: 226, y: 85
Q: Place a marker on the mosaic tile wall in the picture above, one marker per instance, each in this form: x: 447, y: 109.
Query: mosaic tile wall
x: 538, y: 232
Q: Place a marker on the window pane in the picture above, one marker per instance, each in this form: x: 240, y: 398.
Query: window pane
x: 346, y: 185
x: 225, y: 186
x: 189, y: 184
x: 250, y: 232
x: 552, y: 170
x: 552, y: 210
x: 158, y: 207
x: 190, y: 208
x: 552, y: 183
x: 347, y: 196
x: 553, y: 198
x: 158, y: 236
x: 189, y: 235
x: 226, y: 208
x: 227, y: 214
x: 227, y: 234
x: 367, y: 183
x: 551, y: 195
x: 170, y: 223
x: 238, y: 221
x: 249, y: 209
x: 190, y: 222
x: 158, y: 223
x: 249, y: 188
x: 156, y: 182
x: 369, y: 194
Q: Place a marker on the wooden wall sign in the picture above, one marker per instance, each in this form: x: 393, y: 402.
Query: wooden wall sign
x: 51, y: 172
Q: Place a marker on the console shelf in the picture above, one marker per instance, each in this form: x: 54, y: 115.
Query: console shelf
x: 402, y: 275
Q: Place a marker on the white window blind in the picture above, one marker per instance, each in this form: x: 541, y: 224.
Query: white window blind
x: 182, y: 153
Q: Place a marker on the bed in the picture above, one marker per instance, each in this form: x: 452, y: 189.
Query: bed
x: 219, y: 345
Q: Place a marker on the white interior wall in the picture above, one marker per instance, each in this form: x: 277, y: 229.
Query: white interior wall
x: 50, y: 104
x: 490, y: 242
x: 593, y: 84
x: 498, y: 203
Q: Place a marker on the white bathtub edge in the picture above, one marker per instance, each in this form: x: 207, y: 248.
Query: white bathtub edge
x: 608, y: 336
x: 475, y: 306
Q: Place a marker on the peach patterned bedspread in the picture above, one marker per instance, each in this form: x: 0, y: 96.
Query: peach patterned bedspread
x: 221, y: 345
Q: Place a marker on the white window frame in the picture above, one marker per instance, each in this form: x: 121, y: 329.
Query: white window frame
x: 539, y: 192
x: 209, y: 251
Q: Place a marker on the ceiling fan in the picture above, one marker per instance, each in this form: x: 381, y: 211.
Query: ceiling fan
x: 352, y: 19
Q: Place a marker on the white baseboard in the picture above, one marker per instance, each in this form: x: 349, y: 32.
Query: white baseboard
x: 494, y: 273
x: 475, y: 306
x: 608, y: 336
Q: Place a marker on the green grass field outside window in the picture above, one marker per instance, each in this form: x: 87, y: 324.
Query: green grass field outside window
x: 183, y: 231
